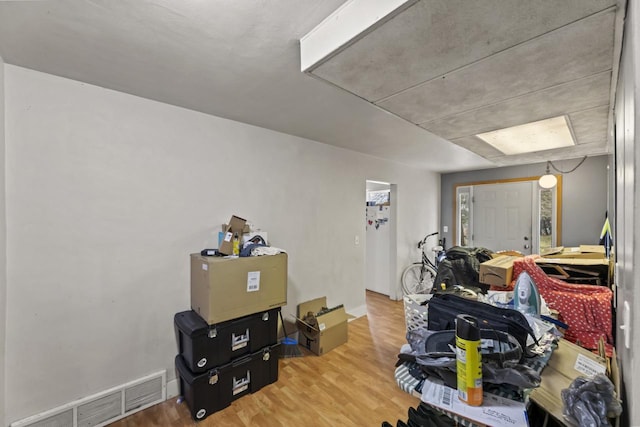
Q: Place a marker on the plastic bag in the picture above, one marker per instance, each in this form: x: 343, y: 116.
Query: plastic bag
x: 590, y: 402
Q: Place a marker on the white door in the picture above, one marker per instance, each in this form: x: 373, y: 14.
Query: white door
x: 502, y: 216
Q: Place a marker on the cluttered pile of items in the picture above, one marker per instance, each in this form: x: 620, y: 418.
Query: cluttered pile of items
x: 503, y: 341
x: 228, y: 341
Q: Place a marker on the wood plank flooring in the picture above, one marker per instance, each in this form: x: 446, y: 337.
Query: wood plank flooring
x: 352, y: 385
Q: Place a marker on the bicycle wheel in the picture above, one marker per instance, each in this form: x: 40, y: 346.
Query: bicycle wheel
x: 418, y: 279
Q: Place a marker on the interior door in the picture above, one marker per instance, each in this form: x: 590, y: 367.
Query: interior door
x: 502, y: 216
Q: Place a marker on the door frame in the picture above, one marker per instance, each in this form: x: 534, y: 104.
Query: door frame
x: 535, y: 217
x: 393, y: 288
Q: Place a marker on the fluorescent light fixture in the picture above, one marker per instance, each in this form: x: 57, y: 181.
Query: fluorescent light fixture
x: 528, y: 138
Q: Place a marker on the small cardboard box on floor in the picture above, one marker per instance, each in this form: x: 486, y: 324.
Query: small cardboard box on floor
x: 325, y: 329
x: 227, y: 288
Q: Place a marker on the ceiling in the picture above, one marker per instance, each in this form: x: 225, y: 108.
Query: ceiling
x: 414, y: 88
x: 459, y: 68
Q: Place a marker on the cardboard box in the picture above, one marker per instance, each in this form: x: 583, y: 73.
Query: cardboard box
x: 325, y: 329
x: 497, y: 271
x: 227, y: 288
x: 507, y: 253
x: 567, y: 363
x: 573, y: 261
x: 236, y: 225
x: 245, y: 228
x: 580, y: 252
x: 615, y: 376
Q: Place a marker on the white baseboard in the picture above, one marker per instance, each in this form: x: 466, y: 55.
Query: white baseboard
x: 358, y: 311
x: 172, y: 389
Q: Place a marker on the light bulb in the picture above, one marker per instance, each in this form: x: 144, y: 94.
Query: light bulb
x: 548, y: 181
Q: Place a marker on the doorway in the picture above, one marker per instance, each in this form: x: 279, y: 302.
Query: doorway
x: 508, y: 215
x: 380, y: 237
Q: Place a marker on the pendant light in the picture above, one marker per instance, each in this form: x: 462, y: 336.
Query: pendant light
x: 548, y: 180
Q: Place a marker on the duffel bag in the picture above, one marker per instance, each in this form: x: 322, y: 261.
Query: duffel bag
x: 444, y: 308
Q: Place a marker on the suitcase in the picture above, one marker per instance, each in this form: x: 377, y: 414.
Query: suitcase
x: 211, y: 391
x: 205, y: 346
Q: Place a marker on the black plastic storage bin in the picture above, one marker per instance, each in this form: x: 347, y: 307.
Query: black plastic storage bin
x: 215, y: 389
x: 205, y: 346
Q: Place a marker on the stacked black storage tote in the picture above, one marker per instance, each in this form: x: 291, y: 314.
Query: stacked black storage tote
x: 222, y: 358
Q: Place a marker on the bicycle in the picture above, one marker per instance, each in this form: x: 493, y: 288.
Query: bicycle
x: 418, y: 278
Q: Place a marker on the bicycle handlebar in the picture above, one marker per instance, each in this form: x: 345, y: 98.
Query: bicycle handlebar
x: 423, y: 241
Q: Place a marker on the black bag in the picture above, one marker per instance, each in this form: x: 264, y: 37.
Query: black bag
x: 461, y: 267
x: 443, y: 309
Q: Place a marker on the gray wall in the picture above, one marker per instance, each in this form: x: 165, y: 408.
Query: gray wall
x: 584, y: 196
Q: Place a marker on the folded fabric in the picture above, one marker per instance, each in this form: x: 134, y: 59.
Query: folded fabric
x: 247, y: 249
x: 260, y: 250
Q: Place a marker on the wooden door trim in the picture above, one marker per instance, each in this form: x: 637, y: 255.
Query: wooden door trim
x: 558, y: 225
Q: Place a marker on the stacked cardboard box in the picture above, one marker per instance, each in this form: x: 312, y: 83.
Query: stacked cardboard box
x: 585, y: 264
x: 228, y: 343
x: 497, y: 271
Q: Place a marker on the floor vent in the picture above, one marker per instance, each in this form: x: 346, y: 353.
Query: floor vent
x: 63, y: 419
x: 104, y: 408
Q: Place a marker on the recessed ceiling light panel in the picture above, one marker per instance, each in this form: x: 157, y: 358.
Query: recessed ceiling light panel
x: 528, y: 138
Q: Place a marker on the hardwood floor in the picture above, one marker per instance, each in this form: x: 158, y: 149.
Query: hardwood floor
x: 352, y: 385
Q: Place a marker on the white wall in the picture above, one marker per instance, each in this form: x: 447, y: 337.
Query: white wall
x: 3, y: 248
x: 627, y: 234
x: 106, y: 196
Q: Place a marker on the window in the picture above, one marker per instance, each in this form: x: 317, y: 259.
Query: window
x: 546, y: 211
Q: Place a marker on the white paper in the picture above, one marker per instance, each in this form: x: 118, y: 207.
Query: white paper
x: 205, y: 267
x: 240, y: 389
x: 239, y: 346
x: 588, y: 366
x: 495, y: 410
x: 228, y: 237
x: 253, y: 281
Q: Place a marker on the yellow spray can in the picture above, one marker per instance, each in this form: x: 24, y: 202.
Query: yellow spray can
x: 468, y: 360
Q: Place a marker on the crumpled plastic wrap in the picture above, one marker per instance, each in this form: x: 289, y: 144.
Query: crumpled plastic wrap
x: 590, y: 402
x: 521, y: 376
x: 444, y: 362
